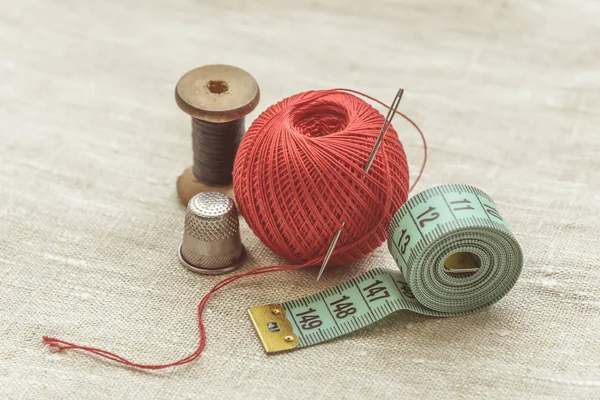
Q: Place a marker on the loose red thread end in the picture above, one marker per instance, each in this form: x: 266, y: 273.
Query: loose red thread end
x: 60, y: 345
x: 52, y: 343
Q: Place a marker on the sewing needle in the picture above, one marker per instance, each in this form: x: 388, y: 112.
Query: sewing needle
x: 386, y: 124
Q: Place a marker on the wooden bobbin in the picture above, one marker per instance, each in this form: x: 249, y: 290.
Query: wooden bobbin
x: 216, y: 94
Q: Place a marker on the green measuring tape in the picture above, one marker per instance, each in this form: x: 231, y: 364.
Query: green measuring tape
x: 455, y: 252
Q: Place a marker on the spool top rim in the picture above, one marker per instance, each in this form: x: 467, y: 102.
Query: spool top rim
x: 217, y: 93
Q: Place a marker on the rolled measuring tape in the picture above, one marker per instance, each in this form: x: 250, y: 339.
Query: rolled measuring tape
x: 456, y: 255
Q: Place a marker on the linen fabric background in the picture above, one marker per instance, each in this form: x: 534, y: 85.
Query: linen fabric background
x: 507, y: 92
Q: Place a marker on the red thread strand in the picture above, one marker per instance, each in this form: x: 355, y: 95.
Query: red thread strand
x: 323, y: 117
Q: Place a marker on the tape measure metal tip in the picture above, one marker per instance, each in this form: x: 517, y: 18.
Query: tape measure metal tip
x: 273, y: 328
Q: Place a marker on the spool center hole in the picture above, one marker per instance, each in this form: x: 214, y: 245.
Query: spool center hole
x: 462, y: 265
x: 217, y: 87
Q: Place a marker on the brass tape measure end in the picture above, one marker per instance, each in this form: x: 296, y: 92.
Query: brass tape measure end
x: 273, y: 328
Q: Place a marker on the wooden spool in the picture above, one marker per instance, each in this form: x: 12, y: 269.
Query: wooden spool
x: 216, y: 94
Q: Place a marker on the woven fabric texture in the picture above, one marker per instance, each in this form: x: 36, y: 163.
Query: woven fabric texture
x: 91, y: 143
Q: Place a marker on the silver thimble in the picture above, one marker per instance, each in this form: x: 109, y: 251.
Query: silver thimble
x: 211, y: 238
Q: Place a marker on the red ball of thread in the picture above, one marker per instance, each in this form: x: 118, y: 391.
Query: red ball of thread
x: 299, y: 172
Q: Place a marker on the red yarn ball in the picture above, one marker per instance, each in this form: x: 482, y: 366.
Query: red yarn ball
x: 298, y: 175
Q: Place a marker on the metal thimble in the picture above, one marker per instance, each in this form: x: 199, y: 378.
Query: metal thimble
x: 211, y: 238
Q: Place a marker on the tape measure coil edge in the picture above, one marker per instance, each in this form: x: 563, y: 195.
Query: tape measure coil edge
x: 466, y: 220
